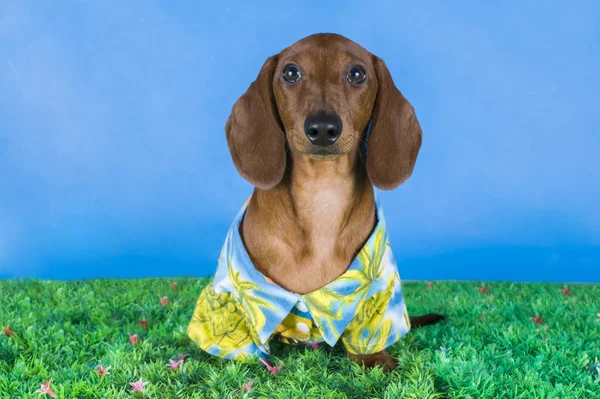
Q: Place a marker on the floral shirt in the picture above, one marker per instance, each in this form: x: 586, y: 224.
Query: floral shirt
x: 241, y: 310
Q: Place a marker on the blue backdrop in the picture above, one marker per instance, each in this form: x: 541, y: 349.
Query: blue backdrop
x: 114, y: 163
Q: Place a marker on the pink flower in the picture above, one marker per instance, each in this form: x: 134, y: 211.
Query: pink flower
x: 46, y: 390
x: 133, y: 339
x: 595, y: 368
x: 138, y: 386
x: 164, y: 300
x: 182, y: 357
x: 173, y: 285
x: 537, y: 319
x: 102, y: 370
x: 174, y: 364
x: 246, y: 387
x: 144, y: 323
x: 314, y: 345
x: 483, y: 289
x: 8, y: 331
x: 566, y: 291
x: 428, y: 285
x: 272, y: 369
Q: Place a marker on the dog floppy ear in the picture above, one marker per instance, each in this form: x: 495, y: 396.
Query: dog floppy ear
x: 395, y: 136
x: 254, y: 134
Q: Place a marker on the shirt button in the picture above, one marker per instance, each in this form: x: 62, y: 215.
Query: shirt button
x: 301, y: 306
x: 302, y: 327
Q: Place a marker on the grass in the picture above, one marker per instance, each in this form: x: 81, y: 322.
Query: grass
x: 489, y: 348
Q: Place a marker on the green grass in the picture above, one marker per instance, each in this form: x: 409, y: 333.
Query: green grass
x: 62, y: 329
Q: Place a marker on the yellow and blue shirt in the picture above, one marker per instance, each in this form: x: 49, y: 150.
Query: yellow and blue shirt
x: 241, y: 310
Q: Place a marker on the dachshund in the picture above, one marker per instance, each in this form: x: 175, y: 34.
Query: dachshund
x: 319, y: 128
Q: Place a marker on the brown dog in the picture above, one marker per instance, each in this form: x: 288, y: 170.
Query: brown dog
x: 298, y: 135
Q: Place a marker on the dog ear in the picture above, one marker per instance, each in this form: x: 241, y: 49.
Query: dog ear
x: 254, y: 133
x: 395, y: 135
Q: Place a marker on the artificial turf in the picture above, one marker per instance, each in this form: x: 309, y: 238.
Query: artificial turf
x: 491, y: 346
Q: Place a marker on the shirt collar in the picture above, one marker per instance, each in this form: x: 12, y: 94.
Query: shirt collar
x: 332, y: 307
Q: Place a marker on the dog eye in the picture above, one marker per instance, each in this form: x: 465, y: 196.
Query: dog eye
x: 356, y: 74
x: 291, y: 74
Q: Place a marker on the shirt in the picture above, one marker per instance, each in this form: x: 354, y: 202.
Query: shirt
x: 241, y: 310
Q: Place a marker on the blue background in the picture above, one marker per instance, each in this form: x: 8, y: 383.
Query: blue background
x: 114, y: 163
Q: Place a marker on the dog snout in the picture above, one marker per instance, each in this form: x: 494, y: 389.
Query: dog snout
x: 323, y: 129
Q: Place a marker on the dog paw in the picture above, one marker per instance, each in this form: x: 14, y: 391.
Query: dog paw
x: 389, y: 362
x: 379, y: 359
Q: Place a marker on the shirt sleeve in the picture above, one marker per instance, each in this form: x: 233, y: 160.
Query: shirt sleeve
x: 380, y: 322
x: 220, y: 327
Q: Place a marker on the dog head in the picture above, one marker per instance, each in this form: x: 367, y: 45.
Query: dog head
x: 316, y: 99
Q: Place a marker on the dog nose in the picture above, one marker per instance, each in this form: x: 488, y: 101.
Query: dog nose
x: 323, y: 129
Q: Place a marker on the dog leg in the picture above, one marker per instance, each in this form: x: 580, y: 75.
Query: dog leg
x: 382, y: 359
